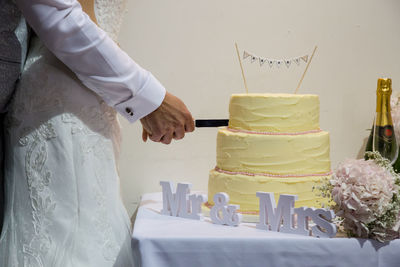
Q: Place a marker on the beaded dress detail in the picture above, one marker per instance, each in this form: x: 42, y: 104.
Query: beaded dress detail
x: 63, y: 204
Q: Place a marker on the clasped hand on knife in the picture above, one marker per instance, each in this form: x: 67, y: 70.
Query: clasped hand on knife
x: 172, y: 120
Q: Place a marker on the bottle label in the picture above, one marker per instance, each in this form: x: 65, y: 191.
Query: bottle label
x: 386, y: 133
x: 382, y: 139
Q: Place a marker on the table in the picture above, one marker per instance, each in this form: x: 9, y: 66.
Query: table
x: 160, y: 241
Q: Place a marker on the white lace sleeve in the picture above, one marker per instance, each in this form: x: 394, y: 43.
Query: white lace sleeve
x: 93, y: 56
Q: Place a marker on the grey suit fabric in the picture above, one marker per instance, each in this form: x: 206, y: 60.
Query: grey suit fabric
x: 14, y: 36
x: 1, y: 174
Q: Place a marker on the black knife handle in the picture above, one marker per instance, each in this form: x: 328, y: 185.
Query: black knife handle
x: 211, y: 123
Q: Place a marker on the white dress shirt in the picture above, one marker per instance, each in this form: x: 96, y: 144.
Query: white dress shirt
x: 93, y: 56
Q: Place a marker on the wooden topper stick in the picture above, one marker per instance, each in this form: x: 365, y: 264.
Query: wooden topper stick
x: 305, y: 71
x: 241, y: 67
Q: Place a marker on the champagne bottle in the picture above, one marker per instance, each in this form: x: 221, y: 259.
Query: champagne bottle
x: 382, y: 137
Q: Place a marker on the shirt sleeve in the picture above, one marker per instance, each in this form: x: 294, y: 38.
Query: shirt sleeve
x: 94, y: 57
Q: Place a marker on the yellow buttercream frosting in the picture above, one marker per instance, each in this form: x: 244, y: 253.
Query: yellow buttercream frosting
x: 271, y: 135
x: 277, y: 154
x: 242, y: 189
x: 274, y: 112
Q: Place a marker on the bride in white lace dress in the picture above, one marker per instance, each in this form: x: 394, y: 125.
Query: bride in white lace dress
x: 63, y: 204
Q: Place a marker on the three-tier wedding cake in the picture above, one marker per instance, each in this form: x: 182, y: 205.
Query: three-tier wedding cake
x: 273, y: 144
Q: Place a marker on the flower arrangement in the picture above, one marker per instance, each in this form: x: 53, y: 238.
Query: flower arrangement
x: 395, y: 105
x: 365, y: 195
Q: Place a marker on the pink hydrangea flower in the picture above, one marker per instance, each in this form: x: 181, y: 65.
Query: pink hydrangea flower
x: 396, y: 117
x: 363, y: 192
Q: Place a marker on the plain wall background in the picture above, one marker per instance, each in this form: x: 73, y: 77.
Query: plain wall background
x: 189, y: 46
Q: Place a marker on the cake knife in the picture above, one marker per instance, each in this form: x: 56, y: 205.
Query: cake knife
x: 211, y: 123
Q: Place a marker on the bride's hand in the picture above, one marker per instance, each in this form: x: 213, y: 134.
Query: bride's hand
x: 170, y: 121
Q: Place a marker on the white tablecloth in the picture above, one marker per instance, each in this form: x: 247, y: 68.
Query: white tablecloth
x: 160, y: 240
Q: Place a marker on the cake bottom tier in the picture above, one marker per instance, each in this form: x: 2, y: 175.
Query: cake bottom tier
x: 242, y: 189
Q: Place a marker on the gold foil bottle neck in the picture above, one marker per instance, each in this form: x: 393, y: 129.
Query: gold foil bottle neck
x: 384, y: 86
x: 383, y: 93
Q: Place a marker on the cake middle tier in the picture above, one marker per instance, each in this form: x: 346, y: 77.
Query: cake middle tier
x: 303, y: 154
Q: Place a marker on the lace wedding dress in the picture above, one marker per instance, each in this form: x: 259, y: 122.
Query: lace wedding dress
x: 63, y: 204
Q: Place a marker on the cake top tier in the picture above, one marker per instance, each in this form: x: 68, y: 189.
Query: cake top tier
x: 274, y: 112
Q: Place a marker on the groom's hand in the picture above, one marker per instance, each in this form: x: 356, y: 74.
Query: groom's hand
x: 170, y: 121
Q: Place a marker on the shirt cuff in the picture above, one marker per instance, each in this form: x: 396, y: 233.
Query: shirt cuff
x: 148, y: 99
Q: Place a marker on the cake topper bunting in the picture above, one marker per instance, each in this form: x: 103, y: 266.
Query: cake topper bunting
x: 274, y: 62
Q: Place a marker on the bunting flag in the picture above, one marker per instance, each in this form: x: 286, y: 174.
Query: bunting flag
x: 271, y: 63
x: 274, y: 62
x: 245, y: 55
x: 262, y: 61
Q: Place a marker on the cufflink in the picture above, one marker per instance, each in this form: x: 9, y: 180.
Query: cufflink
x: 129, y: 111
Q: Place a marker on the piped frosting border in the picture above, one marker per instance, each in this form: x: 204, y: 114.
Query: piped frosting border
x: 273, y: 175
x: 272, y: 133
